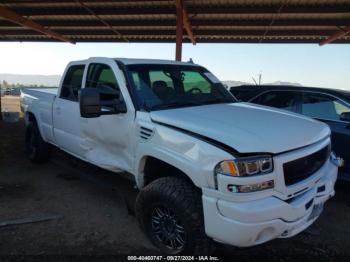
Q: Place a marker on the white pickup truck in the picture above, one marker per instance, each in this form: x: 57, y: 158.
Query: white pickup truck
x: 208, y: 167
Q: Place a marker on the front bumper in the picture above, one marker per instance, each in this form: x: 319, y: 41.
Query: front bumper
x: 253, y: 222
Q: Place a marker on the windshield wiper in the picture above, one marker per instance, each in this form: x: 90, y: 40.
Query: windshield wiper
x: 210, y: 102
x: 175, y: 105
x: 190, y: 103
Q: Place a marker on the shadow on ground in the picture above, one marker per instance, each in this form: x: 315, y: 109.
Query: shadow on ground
x: 97, y: 213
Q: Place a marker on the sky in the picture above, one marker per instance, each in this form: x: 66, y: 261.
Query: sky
x: 309, y: 65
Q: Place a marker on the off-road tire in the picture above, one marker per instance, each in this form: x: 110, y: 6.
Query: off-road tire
x: 184, y: 199
x: 38, y: 151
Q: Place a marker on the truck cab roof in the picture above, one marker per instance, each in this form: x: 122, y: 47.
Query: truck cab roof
x: 130, y: 61
x: 134, y: 61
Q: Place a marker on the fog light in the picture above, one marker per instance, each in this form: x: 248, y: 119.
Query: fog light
x: 338, y: 161
x: 250, y: 188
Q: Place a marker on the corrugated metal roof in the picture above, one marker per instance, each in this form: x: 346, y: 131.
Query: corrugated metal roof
x: 213, y: 21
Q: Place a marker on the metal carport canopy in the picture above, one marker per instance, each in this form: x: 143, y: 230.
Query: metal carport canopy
x: 202, y: 21
x: 168, y: 21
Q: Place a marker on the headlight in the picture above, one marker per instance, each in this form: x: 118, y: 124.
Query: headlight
x: 245, y: 166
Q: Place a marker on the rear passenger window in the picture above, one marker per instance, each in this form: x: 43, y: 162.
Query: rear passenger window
x: 322, y: 106
x: 283, y: 100
x: 72, y: 83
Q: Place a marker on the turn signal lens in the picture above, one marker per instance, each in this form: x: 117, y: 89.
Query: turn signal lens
x: 245, y: 166
x: 227, y: 168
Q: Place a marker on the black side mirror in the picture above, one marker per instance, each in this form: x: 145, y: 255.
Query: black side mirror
x: 89, y: 101
x: 94, y: 103
x: 345, y: 116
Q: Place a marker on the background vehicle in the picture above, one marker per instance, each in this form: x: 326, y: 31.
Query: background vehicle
x: 8, y: 91
x: 208, y: 168
x: 330, y: 106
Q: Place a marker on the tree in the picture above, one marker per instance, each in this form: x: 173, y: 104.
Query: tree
x: 5, y: 84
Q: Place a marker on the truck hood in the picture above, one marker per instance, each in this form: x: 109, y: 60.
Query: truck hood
x: 245, y: 127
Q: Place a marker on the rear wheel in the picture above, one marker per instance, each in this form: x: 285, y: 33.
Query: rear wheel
x: 170, y: 212
x: 38, y: 151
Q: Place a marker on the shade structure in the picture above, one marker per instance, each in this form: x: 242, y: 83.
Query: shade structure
x: 205, y: 21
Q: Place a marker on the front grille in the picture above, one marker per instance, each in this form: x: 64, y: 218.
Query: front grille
x: 302, y: 168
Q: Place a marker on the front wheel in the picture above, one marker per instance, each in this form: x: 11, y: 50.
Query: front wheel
x: 170, y: 212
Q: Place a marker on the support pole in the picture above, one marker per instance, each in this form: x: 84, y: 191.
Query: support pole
x: 0, y: 102
x: 179, y: 29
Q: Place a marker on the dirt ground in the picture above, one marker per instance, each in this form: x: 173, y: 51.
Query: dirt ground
x: 10, y: 108
x: 10, y: 104
x: 95, y: 210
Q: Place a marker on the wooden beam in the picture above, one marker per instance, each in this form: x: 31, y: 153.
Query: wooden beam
x: 171, y: 39
x: 229, y: 7
x: 20, y: 20
x: 336, y: 36
x: 187, y: 23
x: 179, y: 30
x: 120, y: 23
x: 180, y: 6
x: 324, y: 33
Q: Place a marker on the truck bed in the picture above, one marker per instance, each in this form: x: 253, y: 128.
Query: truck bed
x: 39, y: 101
x: 35, y: 91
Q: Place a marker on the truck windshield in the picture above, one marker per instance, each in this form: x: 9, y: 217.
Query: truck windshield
x: 171, y: 86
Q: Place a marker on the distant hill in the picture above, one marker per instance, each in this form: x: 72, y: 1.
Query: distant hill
x: 40, y: 80
x: 281, y: 83
x: 230, y: 83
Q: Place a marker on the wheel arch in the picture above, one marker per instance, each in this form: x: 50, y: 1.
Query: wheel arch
x: 153, y: 167
x: 30, y: 117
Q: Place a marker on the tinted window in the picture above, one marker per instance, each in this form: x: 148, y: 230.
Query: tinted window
x: 158, y: 75
x: 322, y: 106
x: 101, y: 76
x: 136, y: 80
x: 72, y: 82
x: 196, y: 83
x: 280, y: 99
x: 171, y: 86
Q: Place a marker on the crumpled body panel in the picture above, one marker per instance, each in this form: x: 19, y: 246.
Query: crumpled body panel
x: 108, y: 141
